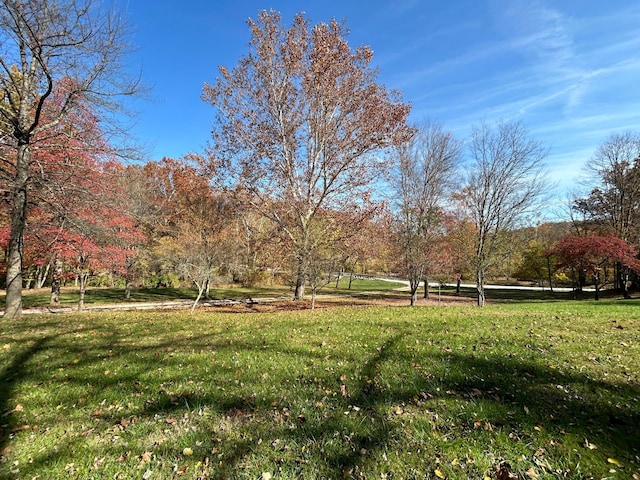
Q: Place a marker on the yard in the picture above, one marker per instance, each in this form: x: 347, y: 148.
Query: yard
x: 527, y: 390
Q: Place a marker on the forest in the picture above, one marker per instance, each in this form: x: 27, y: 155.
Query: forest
x: 314, y: 170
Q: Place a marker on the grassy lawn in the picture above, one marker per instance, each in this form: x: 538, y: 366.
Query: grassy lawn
x: 530, y: 391
x: 99, y: 296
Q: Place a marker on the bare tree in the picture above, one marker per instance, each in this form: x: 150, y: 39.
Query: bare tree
x: 57, y: 59
x: 504, y: 181
x: 425, y: 173
x: 301, y: 122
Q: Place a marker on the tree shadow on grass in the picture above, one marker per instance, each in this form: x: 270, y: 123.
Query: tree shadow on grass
x: 10, y: 376
x: 536, y: 395
x: 348, y: 418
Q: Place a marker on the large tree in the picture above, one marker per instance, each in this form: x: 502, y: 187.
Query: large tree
x: 58, y: 59
x: 613, y: 204
x: 614, y: 172
x: 300, y: 122
x: 425, y: 173
x: 504, y: 181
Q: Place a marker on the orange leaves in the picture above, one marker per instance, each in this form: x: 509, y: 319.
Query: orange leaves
x: 297, y: 121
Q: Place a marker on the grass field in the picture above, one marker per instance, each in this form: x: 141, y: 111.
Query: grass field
x: 528, y: 390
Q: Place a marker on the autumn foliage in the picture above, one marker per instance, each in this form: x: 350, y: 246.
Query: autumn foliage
x: 593, y: 252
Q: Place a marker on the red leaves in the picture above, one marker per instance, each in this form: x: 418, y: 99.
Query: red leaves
x: 593, y: 252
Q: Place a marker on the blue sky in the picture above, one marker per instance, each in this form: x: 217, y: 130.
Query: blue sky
x: 568, y: 69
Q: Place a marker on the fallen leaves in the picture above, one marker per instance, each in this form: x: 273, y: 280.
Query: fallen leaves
x: 18, y: 408
x: 343, y: 391
x: 503, y: 472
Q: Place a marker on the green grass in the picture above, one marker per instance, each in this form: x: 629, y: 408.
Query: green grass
x: 541, y: 390
x: 101, y: 296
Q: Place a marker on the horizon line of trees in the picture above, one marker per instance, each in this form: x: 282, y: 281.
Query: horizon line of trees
x: 313, y: 169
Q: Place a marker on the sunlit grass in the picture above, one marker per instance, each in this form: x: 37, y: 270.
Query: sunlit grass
x: 537, y: 390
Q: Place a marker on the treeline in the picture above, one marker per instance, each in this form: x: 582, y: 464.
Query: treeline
x: 166, y: 224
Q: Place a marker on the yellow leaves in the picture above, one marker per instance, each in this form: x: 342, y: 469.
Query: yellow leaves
x: 187, y: 451
x: 613, y: 461
x: 439, y: 473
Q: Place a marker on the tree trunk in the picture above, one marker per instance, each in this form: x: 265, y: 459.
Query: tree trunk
x: 413, y: 288
x: 300, y: 281
x: 83, y: 277
x: 42, y: 278
x: 313, y: 298
x: 625, y: 284
x: 480, y: 288
x: 56, y: 281
x: 13, y: 305
x: 207, y: 288
x: 201, y: 287
x: 128, y: 278
x: 299, y: 291
x: 426, y: 287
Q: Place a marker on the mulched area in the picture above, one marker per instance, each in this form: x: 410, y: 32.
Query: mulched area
x: 346, y: 301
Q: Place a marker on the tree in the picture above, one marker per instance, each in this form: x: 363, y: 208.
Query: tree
x: 503, y: 182
x: 613, y: 205
x: 536, y: 264
x: 193, y: 232
x: 299, y: 125
x: 459, y: 243
x: 90, y: 230
x: 425, y: 173
x: 591, y: 254
x: 58, y: 59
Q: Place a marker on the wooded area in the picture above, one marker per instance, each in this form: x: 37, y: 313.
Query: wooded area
x: 313, y: 170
